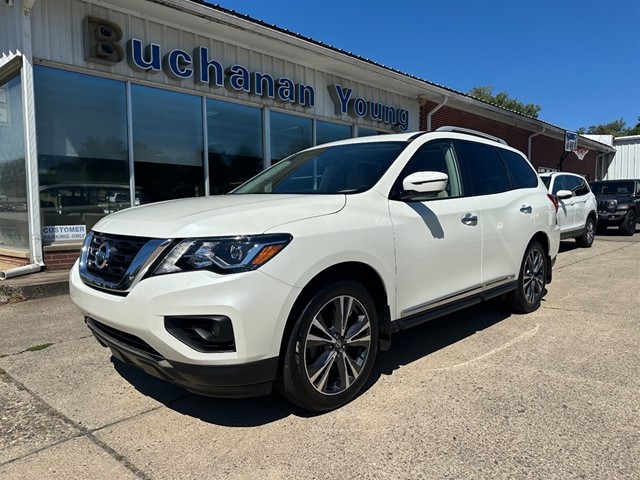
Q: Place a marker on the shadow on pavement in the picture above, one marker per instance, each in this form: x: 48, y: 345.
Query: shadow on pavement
x: 407, y: 347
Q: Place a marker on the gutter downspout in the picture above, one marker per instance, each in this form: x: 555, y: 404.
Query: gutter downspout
x: 437, y: 107
x: 529, y: 141
x: 31, y: 154
x: 18, y: 271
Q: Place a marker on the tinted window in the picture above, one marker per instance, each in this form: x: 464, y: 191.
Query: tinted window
x: 522, y: 174
x: 289, y: 134
x: 577, y: 185
x: 484, y: 172
x: 234, y: 135
x: 14, y: 225
x: 613, y: 188
x: 438, y: 156
x: 83, y: 158
x: 546, y: 181
x: 167, y: 143
x: 330, y: 132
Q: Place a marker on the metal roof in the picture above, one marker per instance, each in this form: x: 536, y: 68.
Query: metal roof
x: 534, y: 123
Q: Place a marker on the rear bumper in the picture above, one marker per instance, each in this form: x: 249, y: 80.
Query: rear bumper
x: 234, y: 381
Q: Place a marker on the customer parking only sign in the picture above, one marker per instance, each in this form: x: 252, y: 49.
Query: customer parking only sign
x: 59, y: 233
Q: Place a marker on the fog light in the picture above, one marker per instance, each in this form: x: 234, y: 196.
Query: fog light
x: 208, y: 333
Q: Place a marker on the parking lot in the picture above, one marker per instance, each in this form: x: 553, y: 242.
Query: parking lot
x: 479, y: 394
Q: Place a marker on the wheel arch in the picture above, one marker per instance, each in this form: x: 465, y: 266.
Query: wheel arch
x: 355, y: 271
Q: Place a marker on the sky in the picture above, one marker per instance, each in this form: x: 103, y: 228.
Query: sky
x: 577, y: 59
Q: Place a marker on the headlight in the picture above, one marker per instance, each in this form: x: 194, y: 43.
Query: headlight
x: 223, y: 254
x: 612, y: 205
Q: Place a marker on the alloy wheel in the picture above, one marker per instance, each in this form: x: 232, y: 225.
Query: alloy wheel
x: 337, y: 345
x: 533, y: 278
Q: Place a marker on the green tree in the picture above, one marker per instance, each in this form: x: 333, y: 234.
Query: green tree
x: 617, y: 128
x: 503, y: 100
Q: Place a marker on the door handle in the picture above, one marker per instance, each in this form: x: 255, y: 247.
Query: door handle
x: 469, y: 219
x: 526, y: 209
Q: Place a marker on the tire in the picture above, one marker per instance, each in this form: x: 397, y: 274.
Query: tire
x: 531, y: 280
x: 327, y: 361
x: 628, y: 226
x: 586, y: 239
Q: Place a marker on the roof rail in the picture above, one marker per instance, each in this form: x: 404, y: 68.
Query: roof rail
x: 468, y: 131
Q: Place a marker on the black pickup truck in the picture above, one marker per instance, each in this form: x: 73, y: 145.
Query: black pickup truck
x: 618, y: 204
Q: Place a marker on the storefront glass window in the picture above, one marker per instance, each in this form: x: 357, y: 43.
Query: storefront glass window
x: 367, y: 132
x: 289, y: 134
x: 330, y: 132
x: 234, y: 134
x: 82, y: 147
x: 14, y: 228
x: 167, y: 144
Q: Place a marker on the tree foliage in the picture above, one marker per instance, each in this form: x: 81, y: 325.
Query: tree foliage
x: 503, y: 100
x: 617, y: 128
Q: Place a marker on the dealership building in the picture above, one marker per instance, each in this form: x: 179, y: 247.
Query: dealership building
x: 107, y: 104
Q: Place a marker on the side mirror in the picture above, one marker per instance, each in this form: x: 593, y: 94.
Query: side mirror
x: 425, y: 182
x: 564, y: 194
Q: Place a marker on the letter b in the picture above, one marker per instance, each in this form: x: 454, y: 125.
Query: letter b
x: 101, y: 39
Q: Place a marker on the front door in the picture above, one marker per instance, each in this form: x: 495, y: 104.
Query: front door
x: 435, y: 235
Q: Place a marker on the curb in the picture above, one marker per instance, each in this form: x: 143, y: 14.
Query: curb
x: 37, y: 285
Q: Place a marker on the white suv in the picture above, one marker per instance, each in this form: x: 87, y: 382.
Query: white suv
x: 298, y: 277
x: 578, y: 207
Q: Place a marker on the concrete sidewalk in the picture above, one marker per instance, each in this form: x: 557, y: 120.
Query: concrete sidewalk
x: 481, y: 394
x: 35, y: 285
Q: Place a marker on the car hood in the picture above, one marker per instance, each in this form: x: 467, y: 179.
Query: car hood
x: 218, y: 215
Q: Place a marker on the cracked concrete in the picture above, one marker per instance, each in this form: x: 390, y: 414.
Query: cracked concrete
x: 479, y: 394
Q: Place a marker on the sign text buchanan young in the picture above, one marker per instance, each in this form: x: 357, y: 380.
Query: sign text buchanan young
x: 102, y: 45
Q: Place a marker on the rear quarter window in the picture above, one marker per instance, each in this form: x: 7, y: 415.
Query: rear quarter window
x: 522, y: 173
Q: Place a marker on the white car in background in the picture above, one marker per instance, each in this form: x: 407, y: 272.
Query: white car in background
x: 577, y: 206
x: 298, y: 277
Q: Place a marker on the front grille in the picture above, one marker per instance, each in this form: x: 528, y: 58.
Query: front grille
x: 602, y: 205
x: 124, y: 251
x: 126, y: 338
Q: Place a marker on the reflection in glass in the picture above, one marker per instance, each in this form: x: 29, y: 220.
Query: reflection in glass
x: 14, y: 227
x: 289, y: 134
x: 330, y: 132
x: 367, y: 132
x: 338, y: 169
x: 167, y: 143
x: 82, y: 147
x: 235, y: 144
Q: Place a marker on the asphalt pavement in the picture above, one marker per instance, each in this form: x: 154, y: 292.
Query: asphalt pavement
x: 482, y: 394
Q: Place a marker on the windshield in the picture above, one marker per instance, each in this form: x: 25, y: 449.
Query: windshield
x: 351, y: 168
x: 612, y: 188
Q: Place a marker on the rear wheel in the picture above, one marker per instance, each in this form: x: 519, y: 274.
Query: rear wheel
x: 586, y: 239
x: 628, y: 226
x: 332, y: 348
x: 532, y: 279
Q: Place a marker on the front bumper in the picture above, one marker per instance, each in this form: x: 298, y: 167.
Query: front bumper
x: 235, y: 381
x: 608, y: 218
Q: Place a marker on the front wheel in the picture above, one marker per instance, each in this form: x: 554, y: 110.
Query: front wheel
x: 628, y: 226
x: 331, y: 350
x: 531, y: 280
x: 586, y: 239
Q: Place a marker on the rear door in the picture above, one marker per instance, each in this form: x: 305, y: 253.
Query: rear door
x: 507, y: 213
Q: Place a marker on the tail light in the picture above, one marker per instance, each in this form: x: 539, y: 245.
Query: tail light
x: 554, y: 200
